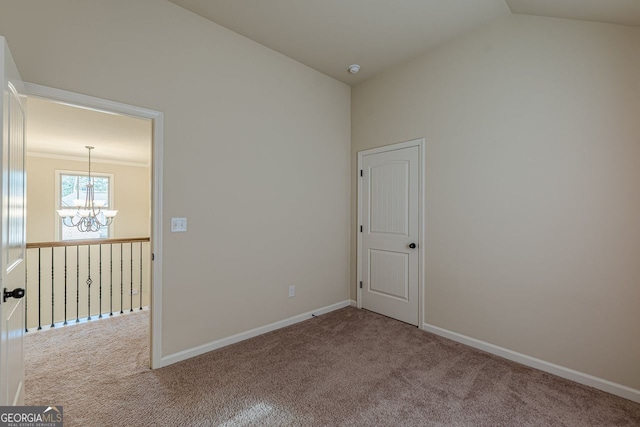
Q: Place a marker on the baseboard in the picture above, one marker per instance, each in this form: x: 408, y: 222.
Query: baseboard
x: 353, y: 303
x: 223, y: 342
x: 561, y: 371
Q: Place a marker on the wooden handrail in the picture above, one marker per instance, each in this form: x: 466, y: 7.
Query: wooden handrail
x: 87, y: 242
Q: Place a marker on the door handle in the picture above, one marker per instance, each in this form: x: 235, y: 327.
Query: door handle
x: 17, y: 293
x: 413, y: 246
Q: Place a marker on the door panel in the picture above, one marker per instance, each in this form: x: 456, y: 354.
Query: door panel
x: 390, y: 223
x: 15, y: 168
x: 13, y: 234
x: 388, y: 274
x: 389, y: 198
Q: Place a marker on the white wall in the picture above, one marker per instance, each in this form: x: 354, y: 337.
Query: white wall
x: 532, y: 203
x: 256, y: 154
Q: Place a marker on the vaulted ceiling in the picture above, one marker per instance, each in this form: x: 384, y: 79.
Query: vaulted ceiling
x: 330, y: 35
x: 327, y: 35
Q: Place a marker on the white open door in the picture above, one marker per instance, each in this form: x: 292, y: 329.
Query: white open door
x: 13, y: 234
x: 389, y: 238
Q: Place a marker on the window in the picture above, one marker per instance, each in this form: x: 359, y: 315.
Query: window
x: 72, y: 186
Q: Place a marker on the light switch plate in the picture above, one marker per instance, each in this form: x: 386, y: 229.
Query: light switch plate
x: 178, y: 225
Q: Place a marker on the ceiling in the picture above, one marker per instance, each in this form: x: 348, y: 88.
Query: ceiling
x: 624, y: 12
x: 330, y: 35
x: 59, y: 130
x: 327, y: 35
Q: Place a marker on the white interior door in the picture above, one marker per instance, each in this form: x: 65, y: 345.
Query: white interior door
x: 390, y: 234
x: 13, y: 210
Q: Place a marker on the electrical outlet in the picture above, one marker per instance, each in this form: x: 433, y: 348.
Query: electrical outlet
x: 178, y: 225
x: 292, y: 291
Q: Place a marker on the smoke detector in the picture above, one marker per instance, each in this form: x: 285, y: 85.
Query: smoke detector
x: 353, y: 69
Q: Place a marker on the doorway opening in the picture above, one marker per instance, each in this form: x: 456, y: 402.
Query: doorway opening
x: 75, y: 276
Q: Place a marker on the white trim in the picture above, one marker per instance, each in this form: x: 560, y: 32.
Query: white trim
x: 157, y: 142
x: 157, y: 154
x: 96, y: 160
x: 422, y: 225
x: 19, y: 395
x: 421, y: 144
x: 353, y: 303
x: 359, y: 234
x: 561, y: 371
x: 223, y: 342
x: 88, y: 102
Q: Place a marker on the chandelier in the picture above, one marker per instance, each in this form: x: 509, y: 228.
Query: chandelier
x: 87, y: 215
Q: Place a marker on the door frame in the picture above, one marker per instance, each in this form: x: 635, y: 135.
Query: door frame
x: 421, y: 144
x: 157, y: 140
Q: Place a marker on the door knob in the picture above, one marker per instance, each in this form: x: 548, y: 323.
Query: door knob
x: 413, y: 246
x: 17, y: 293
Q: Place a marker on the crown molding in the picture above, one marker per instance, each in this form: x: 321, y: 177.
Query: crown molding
x: 84, y: 159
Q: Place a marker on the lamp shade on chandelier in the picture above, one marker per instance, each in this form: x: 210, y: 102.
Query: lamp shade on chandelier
x: 87, y: 215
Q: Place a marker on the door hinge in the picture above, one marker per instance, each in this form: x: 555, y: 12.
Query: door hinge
x: 361, y: 284
x: 153, y: 257
x: 361, y: 229
x: 360, y: 172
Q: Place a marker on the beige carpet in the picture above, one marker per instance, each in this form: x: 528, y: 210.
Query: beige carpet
x: 350, y: 367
